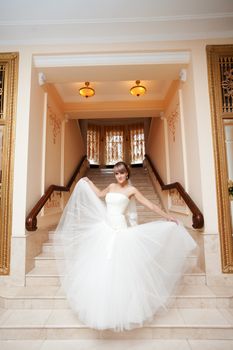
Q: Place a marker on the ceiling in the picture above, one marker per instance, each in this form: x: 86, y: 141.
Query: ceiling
x: 85, y: 25
x: 110, y: 21
x: 112, y: 83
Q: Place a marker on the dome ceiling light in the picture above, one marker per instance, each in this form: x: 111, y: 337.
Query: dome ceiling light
x: 138, y: 90
x: 87, y: 91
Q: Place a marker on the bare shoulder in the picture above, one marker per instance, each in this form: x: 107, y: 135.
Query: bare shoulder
x: 111, y: 186
x: 132, y: 190
x: 135, y: 192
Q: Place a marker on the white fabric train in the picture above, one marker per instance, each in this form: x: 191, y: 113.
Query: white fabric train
x: 117, y: 276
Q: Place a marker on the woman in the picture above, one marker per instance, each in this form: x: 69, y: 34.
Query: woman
x: 117, y: 274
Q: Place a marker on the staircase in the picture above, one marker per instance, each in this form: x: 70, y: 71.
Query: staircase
x: 39, y: 311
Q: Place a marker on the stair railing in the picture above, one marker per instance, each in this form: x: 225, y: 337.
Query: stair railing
x: 197, y: 218
x: 31, y: 220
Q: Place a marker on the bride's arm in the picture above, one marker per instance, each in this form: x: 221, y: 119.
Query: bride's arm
x: 143, y: 200
x: 98, y: 192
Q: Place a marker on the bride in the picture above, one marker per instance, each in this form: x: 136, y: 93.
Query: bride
x: 118, y: 274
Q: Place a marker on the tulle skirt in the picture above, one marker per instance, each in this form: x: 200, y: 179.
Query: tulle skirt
x: 117, y: 278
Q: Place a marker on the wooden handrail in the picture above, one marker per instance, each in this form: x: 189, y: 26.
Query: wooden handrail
x: 198, y: 219
x: 31, y: 220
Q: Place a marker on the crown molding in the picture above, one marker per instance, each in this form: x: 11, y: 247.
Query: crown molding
x: 111, y: 106
x: 116, y: 30
x: 208, y: 16
x: 105, y: 40
x: 173, y: 57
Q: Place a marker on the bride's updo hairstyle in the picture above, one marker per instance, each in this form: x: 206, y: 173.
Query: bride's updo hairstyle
x: 121, y: 167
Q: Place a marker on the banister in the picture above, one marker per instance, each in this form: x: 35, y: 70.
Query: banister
x: 31, y: 220
x: 198, y: 219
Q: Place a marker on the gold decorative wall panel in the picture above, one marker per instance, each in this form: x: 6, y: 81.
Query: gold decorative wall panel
x: 8, y: 87
x: 220, y: 71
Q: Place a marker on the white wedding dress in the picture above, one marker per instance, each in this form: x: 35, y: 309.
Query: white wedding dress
x: 117, y: 276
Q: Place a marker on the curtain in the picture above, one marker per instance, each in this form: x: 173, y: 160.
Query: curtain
x: 117, y: 140
x: 93, y: 143
x: 137, y: 143
x: 114, y: 144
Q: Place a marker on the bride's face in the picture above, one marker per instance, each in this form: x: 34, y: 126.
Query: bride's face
x: 121, y: 176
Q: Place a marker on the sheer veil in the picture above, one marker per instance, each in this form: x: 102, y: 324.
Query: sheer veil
x: 116, y: 278
x: 131, y: 214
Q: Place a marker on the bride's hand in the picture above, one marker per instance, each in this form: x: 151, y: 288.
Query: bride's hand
x: 171, y: 218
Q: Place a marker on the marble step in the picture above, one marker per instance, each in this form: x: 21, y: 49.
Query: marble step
x: 119, y: 344
x: 49, y: 247
x: 46, y: 276
x: 42, y: 297
x: 64, y: 324
x: 50, y: 262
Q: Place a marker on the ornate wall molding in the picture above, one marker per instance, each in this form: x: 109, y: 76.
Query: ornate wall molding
x: 176, y: 202
x: 55, y: 123
x: 226, y: 76
x: 54, y: 204
x: 172, y: 120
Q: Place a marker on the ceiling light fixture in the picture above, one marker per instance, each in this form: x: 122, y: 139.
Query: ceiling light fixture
x: 138, y: 90
x: 86, y: 91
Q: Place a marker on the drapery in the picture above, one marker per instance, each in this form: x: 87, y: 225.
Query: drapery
x: 137, y: 143
x: 114, y: 143
x: 108, y: 144
x: 93, y: 143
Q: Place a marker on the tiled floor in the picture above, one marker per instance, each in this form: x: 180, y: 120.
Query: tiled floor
x: 117, y: 345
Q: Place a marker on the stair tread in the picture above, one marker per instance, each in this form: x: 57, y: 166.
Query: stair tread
x: 49, y: 256
x: 184, y: 291
x: 52, y: 271
x: 172, y: 318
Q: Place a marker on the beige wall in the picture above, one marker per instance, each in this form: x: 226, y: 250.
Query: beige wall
x: 156, y: 147
x: 191, y: 139
x: 74, y: 148
x: 175, y: 140
x: 173, y: 146
x: 35, y: 142
x: 54, y: 119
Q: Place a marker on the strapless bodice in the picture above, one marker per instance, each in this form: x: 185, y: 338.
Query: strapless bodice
x: 117, y: 204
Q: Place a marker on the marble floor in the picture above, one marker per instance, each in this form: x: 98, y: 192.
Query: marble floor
x: 117, y: 345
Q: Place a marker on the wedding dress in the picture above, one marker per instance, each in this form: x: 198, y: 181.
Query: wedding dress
x: 117, y: 276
